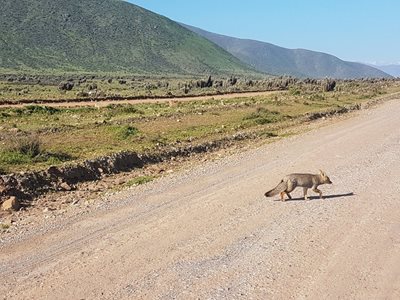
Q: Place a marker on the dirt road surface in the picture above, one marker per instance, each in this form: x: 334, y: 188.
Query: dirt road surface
x: 209, y: 233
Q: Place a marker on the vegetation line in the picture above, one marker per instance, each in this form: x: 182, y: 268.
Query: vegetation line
x: 120, y: 99
x: 36, y: 137
x: 264, y: 124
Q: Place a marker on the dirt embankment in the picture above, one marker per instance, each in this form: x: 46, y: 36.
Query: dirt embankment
x: 26, y: 186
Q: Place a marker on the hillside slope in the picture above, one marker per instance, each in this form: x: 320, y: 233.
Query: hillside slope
x: 103, y: 36
x: 277, y: 60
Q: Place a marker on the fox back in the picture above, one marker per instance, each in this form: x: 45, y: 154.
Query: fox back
x: 307, y: 180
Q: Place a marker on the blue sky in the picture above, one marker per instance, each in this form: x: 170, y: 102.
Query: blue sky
x: 364, y: 31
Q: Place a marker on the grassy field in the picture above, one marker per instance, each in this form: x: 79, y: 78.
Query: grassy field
x: 35, y: 137
x: 14, y: 89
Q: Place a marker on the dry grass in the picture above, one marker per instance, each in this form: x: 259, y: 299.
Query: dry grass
x: 81, y: 133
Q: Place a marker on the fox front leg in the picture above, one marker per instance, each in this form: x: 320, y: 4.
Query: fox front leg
x: 316, y: 190
x: 305, y: 193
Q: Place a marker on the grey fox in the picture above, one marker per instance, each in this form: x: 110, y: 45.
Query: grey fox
x: 307, y: 181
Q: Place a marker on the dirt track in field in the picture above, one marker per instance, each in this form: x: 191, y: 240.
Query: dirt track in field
x: 209, y: 233
x: 103, y: 103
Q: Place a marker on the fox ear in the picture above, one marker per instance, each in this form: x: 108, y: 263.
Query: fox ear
x: 321, y: 172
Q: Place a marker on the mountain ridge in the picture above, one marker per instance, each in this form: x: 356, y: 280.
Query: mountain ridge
x: 276, y: 60
x: 391, y: 69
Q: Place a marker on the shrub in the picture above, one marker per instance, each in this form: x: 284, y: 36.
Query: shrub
x: 32, y: 109
x: 205, y: 84
x: 123, y: 108
x: 232, y: 80
x: 27, y: 149
x: 66, y: 86
x: 124, y: 132
x: 28, y: 145
x: 140, y: 180
x: 13, y: 158
x: 329, y: 85
x: 263, y: 116
x: 294, y: 91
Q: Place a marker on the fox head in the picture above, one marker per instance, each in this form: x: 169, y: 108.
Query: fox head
x: 324, y: 177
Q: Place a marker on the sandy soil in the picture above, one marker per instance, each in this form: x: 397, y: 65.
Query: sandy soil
x: 209, y: 233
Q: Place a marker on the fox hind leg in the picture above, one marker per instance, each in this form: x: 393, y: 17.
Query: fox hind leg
x: 282, y: 196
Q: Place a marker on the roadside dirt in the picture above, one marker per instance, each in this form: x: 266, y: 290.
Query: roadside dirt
x: 209, y: 233
x: 105, y: 102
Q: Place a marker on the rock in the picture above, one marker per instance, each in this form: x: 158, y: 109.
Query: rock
x: 65, y: 186
x: 93, y: 188
x: 48, y: 209
x: 66, y: 86
x: 75, y: 202
x: 82, y: 94
x: 3, y: 187
x: 92, y: 93
x: 13, y: 130
x: 11, y: 204
x: 120, y: 181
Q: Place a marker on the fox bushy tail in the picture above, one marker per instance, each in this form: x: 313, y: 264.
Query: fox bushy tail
x: 275, y: 191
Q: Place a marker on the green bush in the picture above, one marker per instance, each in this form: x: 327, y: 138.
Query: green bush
x: 28, y: 150
x: 124, y: 132
x: 263, y: 116
x: 13, y: 158
x: 28, y: 145
x: 37, y: 109
x: 140, y: 180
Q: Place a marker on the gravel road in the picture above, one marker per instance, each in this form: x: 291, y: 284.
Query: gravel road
x: 209, y: 233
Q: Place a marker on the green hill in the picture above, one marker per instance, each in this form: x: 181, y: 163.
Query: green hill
x: 276, y: 60
x: 103, y: 36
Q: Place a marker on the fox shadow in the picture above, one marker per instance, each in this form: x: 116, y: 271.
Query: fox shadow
x: 325, y: 197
